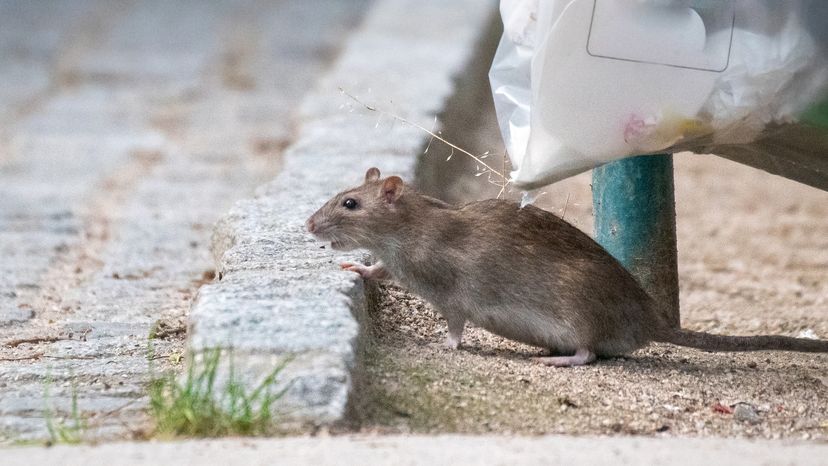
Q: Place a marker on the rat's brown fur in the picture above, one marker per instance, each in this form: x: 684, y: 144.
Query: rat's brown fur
x: 522, y: 273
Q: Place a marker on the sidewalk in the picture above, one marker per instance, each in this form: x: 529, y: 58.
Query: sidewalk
x: 126, y: 131
x: 429, y: 451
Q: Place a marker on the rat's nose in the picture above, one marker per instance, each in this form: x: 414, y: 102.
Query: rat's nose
x: 310, y: 225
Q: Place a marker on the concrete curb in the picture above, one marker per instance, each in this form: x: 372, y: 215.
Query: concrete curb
x: 280, y: 294
x: 428, y: 450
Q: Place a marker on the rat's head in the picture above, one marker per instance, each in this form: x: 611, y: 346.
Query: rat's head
x: 359, y: 217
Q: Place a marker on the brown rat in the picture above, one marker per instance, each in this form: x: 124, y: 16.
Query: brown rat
x: 522, y: 273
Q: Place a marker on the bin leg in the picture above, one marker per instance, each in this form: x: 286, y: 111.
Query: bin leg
x: 635, y: 220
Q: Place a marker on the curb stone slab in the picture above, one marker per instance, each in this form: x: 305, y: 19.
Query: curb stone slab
x: 430, y: 450
x: 280, y: 292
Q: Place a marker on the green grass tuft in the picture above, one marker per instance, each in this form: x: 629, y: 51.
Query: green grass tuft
x: 197, y: 407
x: 60, y: 430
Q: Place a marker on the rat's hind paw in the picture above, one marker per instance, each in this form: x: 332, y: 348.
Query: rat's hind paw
x: 452, y: 342
x: 580, y: 358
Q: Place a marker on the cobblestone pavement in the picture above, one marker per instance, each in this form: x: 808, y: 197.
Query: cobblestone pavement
x: 126, y: 130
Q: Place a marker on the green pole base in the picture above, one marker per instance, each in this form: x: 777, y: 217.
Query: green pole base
x: 635, y: 220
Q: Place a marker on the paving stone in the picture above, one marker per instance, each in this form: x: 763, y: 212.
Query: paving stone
x: 126, y: 130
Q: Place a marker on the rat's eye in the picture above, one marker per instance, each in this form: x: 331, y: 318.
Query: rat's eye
x: 350, y: 204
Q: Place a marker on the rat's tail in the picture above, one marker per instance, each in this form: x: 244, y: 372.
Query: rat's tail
x: 711, y: 342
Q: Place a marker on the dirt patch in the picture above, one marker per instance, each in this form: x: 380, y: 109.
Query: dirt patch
x: 753, y: 259
x: 415, y: 384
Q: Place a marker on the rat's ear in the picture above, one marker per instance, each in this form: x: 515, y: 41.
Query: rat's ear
x: 372, y: 174
x: 392, y: 189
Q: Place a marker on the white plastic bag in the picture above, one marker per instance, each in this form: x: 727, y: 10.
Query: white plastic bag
x: 578, y: 83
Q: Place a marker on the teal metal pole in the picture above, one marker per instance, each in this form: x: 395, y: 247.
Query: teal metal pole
x: 635, y: 220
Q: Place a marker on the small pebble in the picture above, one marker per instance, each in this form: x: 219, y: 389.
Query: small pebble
x: 745, y: 412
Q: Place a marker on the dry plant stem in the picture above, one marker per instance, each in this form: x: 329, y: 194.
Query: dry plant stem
x: 23, y: 358
x: 503, y: 185
x: 566, y: 204
x: 504, y: 182
x: 34, y: 340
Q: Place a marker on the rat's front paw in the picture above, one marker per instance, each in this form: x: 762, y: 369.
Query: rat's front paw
x: 374, y: 272
x: 362, y: 270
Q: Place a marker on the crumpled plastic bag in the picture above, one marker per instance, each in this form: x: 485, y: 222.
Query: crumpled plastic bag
x: 578, y: 83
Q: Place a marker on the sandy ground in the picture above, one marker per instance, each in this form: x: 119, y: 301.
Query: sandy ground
x: 753, y: 259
